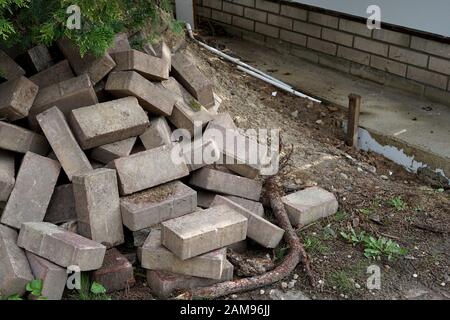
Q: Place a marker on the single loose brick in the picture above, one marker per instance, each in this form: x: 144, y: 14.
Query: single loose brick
x: 18, y: 139
x: 61, y: 247
x: 64, y: 145
x: 152, y: 68
x: 97, y: 205
x: 108, y: 122
x: 153, y: 206
x: 148, y: 169
x: 15, y: 270
x: 16, y: 98
x: 152, y: 98
x: 203, y: 231
x: 192, y: 79
x: 35, y: 183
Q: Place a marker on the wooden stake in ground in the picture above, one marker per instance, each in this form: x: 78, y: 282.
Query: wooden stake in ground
x: 354, y: 109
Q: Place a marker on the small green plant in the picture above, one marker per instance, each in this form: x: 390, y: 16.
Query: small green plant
x: 195, y: 105
x: 340, y: 215
x: 280, y: 253
x: 375, y: 248
x: 315, y: 245
x: 342, y: 281
x: 90, y: 291
x: 35, y: 287
x: 353, y: 237
x: 398, y: 203
x: 366, y: 211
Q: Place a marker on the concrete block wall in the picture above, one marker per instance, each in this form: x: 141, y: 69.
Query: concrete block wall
x: 396, y: 58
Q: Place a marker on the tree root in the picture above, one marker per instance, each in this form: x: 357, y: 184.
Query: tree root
x: 296, y: 255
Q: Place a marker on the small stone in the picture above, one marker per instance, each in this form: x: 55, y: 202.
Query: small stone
x: 261, y: 292
x: 344, y: 176
x: 357, y: 286
x: 291, y: 284
x: 294, y: 114
x: 284, y: 285
x: 319, y: 122
x: 295, y: 276
x: 415, y: 275
x: 443, y: 284
x: 234, y: 296
x: 384, y: 177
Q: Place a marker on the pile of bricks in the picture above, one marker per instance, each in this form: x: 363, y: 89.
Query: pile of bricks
x: 91, y: 138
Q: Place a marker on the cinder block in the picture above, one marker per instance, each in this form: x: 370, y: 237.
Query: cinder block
x: 203, y: 231
x: 267, y: 30
x: 428, y: 77
x: 440, y: 49
x: 17, y: 139
x: 439, y: 65
x: 355, y: 27
x: 97, y: 204
x: 61, y: 247
x: 66, y: 148
x: 55, y: 74
x: 120, y: 44
x: 203, y: 12
x: 388, y: 65
x: 398, y: 38
x: 354, y: 55
x: 150, y: 67
x: 243, y: 23
x: 293, y: 37
x: 96, y: 67
x: 10, y: 69
x: 163, y: 52
x: 267, y: 6
x: 116, y: 273
x: 324, y: 19
x: 221, y: 182
x: 112, y: 151
x: 232, y: 8
x: 152, y: 98
x: 221, y: 16
x: 252, y: 206
x: 280, y: 21
x: 307, y: 28
x: 35, y: 182
x: 322, y: 46
x: 67, y: 95
x: 259, y: 229
x: 153, y: 206
x: 216, y: 4
x: 148, y: 169
x: 293, y: 12
x: 108, y: 122
x: 337, y: 37
x: 54, y: 277
x: 157, y: 134
x: 187, y: 111
x: 154, y: 256
x: 255, y: 15
x: 15, y: 270
x: 371, y: 46
x: 7, y: 175
x: 16, y: 98
x: 197, y: 84
x: 408, y: 56
x: 40, y: 58
x: 163, y: 283
x: 306, y: 206
x: 62, y: 205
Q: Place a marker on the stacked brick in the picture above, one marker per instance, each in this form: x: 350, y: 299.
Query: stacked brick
x: 95, y: 173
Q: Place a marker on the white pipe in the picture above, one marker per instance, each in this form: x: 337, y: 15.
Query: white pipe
x: 230, y: 58
x: 294, y: 92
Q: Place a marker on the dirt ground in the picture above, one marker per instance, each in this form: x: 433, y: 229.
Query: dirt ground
x: 364, y: 183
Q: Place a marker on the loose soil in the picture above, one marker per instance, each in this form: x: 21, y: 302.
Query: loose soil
x: 365, y: 185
